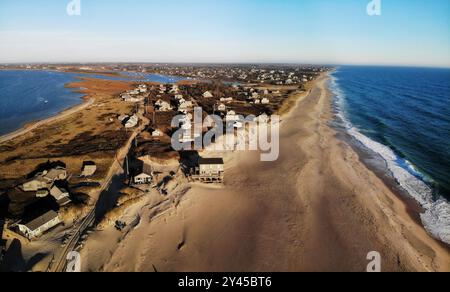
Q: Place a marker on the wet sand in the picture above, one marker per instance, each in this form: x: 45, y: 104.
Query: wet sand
x: 317, y: 208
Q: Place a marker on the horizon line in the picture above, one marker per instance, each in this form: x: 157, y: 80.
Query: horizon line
x: 228, y: 63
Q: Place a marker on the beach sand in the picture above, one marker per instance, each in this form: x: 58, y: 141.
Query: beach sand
x: 317, y: 208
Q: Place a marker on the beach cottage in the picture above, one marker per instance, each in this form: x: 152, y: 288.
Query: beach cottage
x: 61, y: 195
x: 143, y: 174
x: 209, y: 170
x: 208, y: 94
x: 39, y: 225
x: 89, y: 168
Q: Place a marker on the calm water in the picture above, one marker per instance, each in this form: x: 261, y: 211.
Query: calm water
x: 27, y: 96
x: 403, y: 115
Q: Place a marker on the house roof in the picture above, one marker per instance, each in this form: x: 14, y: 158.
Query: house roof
x: 210, y: 161
x: 38, y: 222
x: 64, y: 201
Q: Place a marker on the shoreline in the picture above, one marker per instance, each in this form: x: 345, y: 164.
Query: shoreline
x: 323, y: 210
x: 32, y: 125
x: 418, y: 195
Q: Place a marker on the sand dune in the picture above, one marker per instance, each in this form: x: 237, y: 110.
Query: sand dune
x: 317, y: 208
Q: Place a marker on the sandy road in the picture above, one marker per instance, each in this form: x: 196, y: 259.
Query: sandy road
x: 115, y: 169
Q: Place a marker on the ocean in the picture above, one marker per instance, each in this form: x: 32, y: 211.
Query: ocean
x: 403, y: 116
x: 27, y: 96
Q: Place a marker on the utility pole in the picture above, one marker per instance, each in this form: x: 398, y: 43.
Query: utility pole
x: 128, y: 167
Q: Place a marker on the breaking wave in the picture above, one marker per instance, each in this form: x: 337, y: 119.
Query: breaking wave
x: 436, y: 218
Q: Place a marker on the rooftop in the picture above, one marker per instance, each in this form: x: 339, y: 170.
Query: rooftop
x: 38, y: 222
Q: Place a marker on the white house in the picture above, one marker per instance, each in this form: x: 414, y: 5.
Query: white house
x: 144, y: 174
x: 226, y: 99
x: 265, y: 101
x: 208, y: 94
x: 163, y: 106
x: 44, y: 180
x: 174, y: 88
x: 231, y: 116
x: 157, y: 133
x: 39, y: 225
x: 209, y: 170
x: 131, y: 122
x: 185, y: 106
x: 89, y: 168
x: 142, y: 88
x: 143, y: 178
x: 61, y: 195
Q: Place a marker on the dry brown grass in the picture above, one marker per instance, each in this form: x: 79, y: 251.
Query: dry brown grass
x: 53, y: 141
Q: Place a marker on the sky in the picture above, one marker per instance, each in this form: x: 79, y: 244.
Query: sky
x: 408, y: 32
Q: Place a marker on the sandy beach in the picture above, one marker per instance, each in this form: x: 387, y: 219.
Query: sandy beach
x: 317, y: 208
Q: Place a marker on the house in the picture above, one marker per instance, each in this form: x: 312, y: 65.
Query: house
x: 142, y: 178
x: 130, y: 122
x: 142, y: 88
x: 208, y: 94
x: 39, y: 225
x: 231, y: 116
x: 61, y: 195
x: 226, y: 99
x: 143, y: 174
x: 209, y: 170
x: 128, y: 98
x: 157, y: 133
x: 184, y: 106
x: 122, y: 118
x: 88, y: 169
x: 55, y: 174
x: 174, y: 89
x: 35, y: 184
x: 44, y: 180
x: 163, y: 106
x: 265, y: 101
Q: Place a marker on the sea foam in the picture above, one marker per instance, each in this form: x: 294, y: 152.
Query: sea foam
x: 436, y: 218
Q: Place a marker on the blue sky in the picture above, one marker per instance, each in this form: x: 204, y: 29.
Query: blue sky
x: 408, y: 32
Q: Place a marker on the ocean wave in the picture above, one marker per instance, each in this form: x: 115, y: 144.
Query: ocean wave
x: 436, y: 218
